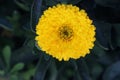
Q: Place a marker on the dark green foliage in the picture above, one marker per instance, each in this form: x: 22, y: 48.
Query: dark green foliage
x: 22, y: 59
x: 109, y: 3
x: 5, y: 24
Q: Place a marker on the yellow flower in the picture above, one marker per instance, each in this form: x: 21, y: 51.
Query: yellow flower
x: 65, y: 31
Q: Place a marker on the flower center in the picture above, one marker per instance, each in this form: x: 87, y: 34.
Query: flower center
x: 65, y: 33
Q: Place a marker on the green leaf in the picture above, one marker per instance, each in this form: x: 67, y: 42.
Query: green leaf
x: 2, y: 72
x: 17, y: 67
x: 101, y: 55
x: 51, y: 2
x: 7, y: 55
x: 70, y: 1
x: 2, y: 64
x: 83, y: 69
x: 98, y: 51
x: 77, y: 76
x: 41, y: 68
x: 36, y: 12
x: 116, y: 34
x: 22, y: 5
x: 5, y: 24
x: 96, y: 71
x: 63, y: 1
x: 14, y: 20
x: 13, y: 77
x: 24, y: 54
x: 53, y: 71
x: 109, y: 3
x: 103, y: 34
x: 28, y: 74
x: 112, y: 72
x: 74, y: 1
x: 30, y: 43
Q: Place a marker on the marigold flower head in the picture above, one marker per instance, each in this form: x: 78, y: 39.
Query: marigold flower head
x: 65, y: 31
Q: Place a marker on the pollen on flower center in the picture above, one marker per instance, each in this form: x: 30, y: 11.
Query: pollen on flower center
x: 65, y: 33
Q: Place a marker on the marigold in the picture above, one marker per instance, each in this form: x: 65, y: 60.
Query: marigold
x: 65, y: 31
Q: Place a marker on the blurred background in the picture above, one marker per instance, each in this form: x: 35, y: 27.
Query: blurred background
x: 21, y: 59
